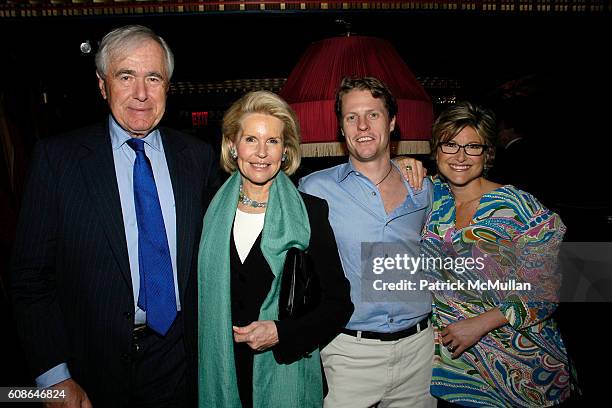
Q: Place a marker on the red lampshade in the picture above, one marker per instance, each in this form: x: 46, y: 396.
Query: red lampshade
x: 312, y: 85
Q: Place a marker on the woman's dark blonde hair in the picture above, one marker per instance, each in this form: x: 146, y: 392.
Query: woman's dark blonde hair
x: 455, y: 118
x: 266, y: 103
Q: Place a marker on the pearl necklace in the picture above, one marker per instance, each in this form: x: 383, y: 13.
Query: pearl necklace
x: 246, y: 201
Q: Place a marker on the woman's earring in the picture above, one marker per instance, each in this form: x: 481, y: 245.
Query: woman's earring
x: 233, y: 153
x: 284, y: 157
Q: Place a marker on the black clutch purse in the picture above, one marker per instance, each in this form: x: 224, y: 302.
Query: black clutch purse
x: 300, y: 291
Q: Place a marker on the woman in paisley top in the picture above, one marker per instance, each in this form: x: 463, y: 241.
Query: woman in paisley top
x: 496, y: 343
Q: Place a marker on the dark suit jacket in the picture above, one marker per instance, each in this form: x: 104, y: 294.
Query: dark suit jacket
x: 71, y: 281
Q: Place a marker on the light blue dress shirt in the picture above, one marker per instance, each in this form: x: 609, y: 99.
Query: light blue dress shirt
x: 357, y: 214
x: 124, y: 157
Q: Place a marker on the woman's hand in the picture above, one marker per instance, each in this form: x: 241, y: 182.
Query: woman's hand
x: 461, y: 335
x: 259, y: 335
x: 412, y: 170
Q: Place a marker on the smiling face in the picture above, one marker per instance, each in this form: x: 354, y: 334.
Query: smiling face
x: 260, y: 149
x: 135, y: 87
x: 459, y: 168
x: 366, y: 126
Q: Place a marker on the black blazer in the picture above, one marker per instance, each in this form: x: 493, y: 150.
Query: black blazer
x: 300, y: 337
x: 297, y: 338
x: 250, y: 284
x: 71, y: 282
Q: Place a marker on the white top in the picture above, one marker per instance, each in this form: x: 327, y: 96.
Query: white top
x: 247, y: 227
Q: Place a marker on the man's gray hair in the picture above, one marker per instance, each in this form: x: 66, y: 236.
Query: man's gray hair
x: 125, y: 37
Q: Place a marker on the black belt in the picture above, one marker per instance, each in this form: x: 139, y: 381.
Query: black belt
x: 421, y: 325
x: 141, y: 330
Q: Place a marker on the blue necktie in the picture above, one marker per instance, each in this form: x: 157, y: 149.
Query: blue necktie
x: 156, y: 295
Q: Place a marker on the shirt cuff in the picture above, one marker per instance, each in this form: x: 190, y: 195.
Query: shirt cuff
x: 53, y: 376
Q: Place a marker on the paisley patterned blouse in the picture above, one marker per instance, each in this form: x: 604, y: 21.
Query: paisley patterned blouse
x: 513, y: 242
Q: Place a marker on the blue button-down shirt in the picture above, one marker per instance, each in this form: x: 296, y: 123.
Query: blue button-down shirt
x: 357, y: 214
x: 124, y: 157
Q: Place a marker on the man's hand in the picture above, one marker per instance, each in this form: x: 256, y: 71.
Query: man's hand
x: 75, y: 396
x: 259, y: 335
x: 412, y: 170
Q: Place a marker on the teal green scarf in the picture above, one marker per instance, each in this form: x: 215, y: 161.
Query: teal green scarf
x: 274, y: 385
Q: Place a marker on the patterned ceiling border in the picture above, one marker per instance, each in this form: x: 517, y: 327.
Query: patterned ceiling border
x: 102, y: 8
x: 432, y: 84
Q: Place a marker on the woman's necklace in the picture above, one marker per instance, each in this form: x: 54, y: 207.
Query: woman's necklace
x: 386, y: 175
x: 246, y: 201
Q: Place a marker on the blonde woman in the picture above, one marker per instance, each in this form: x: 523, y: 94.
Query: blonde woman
x: 247, y: 356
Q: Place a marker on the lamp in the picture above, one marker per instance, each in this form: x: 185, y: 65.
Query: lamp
x: 311, y: 87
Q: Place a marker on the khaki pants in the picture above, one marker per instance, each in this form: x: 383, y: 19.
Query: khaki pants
x: 364, y: 372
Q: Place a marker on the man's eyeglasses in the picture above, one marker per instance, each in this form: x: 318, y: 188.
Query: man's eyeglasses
x: 471, y: 149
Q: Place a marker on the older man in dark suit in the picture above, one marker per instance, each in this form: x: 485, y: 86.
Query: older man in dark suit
x: 106, y: 240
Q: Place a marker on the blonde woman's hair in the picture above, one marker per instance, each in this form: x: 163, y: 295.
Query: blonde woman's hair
x: 266, y: 103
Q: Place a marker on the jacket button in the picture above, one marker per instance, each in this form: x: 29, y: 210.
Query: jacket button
x: 128, y: 315
x: 125, y: 357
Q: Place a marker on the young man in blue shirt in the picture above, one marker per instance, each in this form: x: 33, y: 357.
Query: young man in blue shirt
x: 384, y: 355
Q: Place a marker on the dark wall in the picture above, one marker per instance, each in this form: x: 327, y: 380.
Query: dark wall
x: 42, y: 55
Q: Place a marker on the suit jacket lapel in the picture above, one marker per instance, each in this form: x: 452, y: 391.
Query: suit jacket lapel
x: 178, y: 168
x: 98, y: 169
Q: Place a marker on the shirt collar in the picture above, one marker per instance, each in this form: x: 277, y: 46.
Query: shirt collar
x: 411, y: 192
x: 348, y: 168
x: 344, y: 170
x: 443, y: 184
x: 119, y: 136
